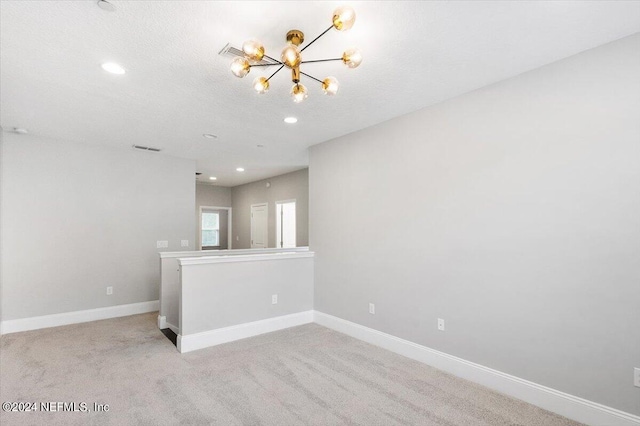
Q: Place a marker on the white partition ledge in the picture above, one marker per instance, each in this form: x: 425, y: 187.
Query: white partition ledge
x: 230, y: 252
x: 242, y: 258
x: 170, y: 277
x: 224, y: 298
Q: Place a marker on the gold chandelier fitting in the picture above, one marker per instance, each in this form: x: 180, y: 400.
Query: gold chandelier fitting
x: 291, y: 57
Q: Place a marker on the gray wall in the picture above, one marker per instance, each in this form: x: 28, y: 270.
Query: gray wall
x: 213, y: 196
x: 512, y: 212
x: 293, y: 185
x: 210, y: 195
x: 78, y: 218
x: 224, y: 229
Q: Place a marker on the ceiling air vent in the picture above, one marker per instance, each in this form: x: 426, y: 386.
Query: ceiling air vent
x: 146, y: 148
x: 233, y: 52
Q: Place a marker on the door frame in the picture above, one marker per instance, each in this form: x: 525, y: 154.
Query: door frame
x: 266, y: 205
x: 275, y: 204
x: 229, y: 232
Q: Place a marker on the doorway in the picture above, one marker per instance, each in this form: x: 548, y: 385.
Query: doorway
x: 286, y: 223
x: 259, y: 215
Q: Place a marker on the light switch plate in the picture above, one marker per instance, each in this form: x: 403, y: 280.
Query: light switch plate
x: 274, y: 299
x: 372, y: 308
x: 636, y: 377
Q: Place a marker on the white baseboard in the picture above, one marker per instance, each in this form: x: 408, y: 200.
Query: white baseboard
x: 206, y: 339
x: 567, y: 405
x: 66, y: 318
x: 162, y: 322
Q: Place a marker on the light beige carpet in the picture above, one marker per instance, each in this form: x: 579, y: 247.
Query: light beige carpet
x: 303, y: 375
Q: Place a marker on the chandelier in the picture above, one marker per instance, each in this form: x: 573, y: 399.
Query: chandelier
x: 291, y: 57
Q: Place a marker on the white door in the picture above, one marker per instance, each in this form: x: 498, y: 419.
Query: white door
x: 286, y: 223
x: 259, y: 225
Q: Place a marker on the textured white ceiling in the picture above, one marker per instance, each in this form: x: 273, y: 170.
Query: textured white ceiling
x: 177, y: 87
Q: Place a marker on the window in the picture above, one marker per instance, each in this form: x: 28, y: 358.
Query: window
x: 210, y: 229
x: 286, y: 224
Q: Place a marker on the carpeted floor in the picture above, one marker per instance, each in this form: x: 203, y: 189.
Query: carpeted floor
x: 303, y: 375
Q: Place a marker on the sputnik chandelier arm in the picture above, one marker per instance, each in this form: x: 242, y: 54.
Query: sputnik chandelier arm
x: 343, y: 19
x: 311, y: 77
x: 276, y: 72
x: 321, y: 60
x: 325, y: 31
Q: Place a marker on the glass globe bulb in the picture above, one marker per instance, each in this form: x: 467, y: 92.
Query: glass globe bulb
x: 240, y: 67
x: 352, y: 58
x: 330, y: 86
x: 291, y: 56
x: 261, y: 85
x: 253, y: 49
x: 298, y: 93
x: 343, y: 18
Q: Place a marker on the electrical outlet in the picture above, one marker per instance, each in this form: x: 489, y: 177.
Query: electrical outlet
x: 184, y: 243
x: 274, y: 299
x: 636, y: 377
x: 109, y: 291
x: 372, y: 308
x: 440, y: 324
x: 162, y: 244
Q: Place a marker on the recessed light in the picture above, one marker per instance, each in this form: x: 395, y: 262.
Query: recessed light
x: 240, y: 169
x: 290, y: 120
x: 113, y: 68
x: 105, y: 5
x: 213, y: 178
x: 210, y: 136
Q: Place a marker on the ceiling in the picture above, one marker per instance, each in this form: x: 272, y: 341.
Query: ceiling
x: 177, y: 87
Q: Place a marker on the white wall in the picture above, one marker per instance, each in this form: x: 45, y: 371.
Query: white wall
x: 170, y: 277
x: 513, y: 212
x: 225, y: 291
x: 77, y: 218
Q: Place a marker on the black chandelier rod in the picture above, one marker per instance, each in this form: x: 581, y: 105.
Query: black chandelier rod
x: 321, y: 60
x: 273, y: 59
x: 275, y: 62
x: 312, y: 41
x: 310, y: 76
x: 276, y: 72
